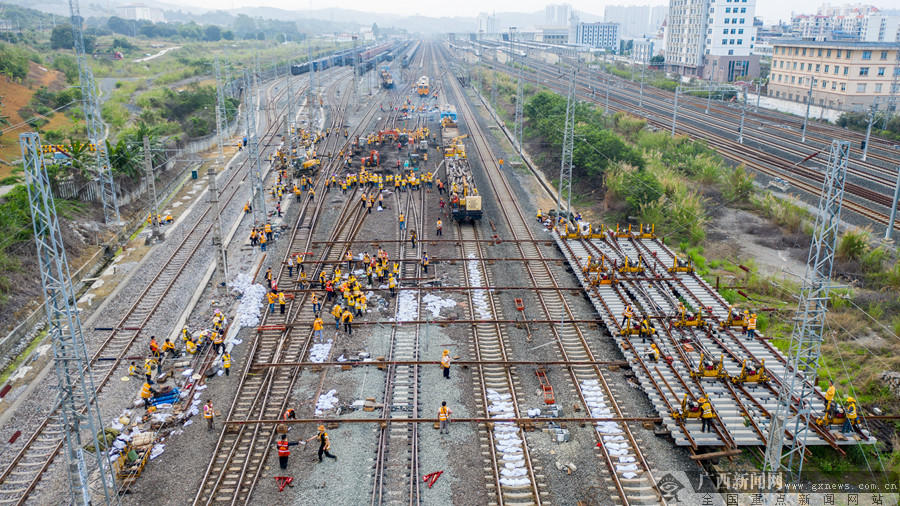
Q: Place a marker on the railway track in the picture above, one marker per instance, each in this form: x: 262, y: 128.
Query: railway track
x: 23, y: 473
x: 515, y: 477
x: 769, y: 164
x: 396, y: 471
x: 241, y: 453
x: 618, y: 448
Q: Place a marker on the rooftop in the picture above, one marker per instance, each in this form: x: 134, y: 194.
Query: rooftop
x: 834, y: 43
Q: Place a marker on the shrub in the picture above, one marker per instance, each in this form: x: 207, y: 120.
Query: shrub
x: 853, y: 244
x: 738, y: 185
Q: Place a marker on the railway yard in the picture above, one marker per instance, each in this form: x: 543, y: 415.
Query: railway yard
x: 399, y: 226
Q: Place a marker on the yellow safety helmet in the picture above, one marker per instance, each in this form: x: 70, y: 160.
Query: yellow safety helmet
x: 321, y: 428
x: 851, y: 399
x: 446, y: 352
x: 753, y: 315
x: 746, y: 311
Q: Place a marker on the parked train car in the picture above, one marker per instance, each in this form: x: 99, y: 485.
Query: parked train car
x: 300, y: 68
x: 448, y: 113
x: 465, y: 202
x: 387, y: 80
x: 407, y: 58
x: 422, y: 86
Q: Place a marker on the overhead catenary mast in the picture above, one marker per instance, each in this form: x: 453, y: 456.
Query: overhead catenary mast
x: 79, y: 411
x: 93, y: 120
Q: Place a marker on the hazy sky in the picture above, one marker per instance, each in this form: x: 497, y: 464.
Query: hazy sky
x: 770, y: 10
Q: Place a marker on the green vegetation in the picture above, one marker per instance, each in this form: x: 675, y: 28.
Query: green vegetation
x: 860, y: 122
x: 14, y: 60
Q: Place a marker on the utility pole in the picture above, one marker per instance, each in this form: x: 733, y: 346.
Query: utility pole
x: 865, y: 146
x: 93, y: 120
x: 257, y: 191
x: 220, y: 112
x: 890, y: 228
x: 520, y: 97
x: 221, y: 273
x: 743, y: 112
x: 310, y: 96
x: 608, y: 79
x: 565, y: 166
x: 808, y: 103
x: 675, y: 109
x: 643, y: 67
x: 355, y: 71
x: 79, y: 409
x: 794, y: 410
x: 155, y: 233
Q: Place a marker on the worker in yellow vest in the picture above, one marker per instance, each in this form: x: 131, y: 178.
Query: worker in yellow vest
x: 271, y: 297
x: 337, y: 311
x: 444, y: 418
x: 146, y: 393
x: 324, y: 443
x: 852, y: 415
x: 347, y: 318
x: 226, y: 362
x: 706, y: 418
x: 281, y: 301
x: 392, y: 285
x: 445, y: 363
x: 317, y: 328
x: 751, y: 326
x: 829, y: 396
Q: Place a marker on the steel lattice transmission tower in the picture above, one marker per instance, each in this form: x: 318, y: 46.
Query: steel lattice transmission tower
x: 93, y: 120
x: 257, y: 192
x: 794, y: 410
x: 520, y: 96
x: 565, y: 166
x: 220, y: 113
x: 78, y: 409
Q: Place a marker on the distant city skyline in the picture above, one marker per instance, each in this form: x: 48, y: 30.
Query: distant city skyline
x: 769, y: 10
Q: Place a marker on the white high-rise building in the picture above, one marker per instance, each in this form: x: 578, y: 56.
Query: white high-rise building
x: 880, y: 28
x: 486, y: 23
x: 633, y: 20
x: 558, y: 14
x: 712, y: 39
x: 598, y: 35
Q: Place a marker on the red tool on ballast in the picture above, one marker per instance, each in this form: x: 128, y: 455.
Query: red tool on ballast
x: 430, y: 478
x: 282, y: 481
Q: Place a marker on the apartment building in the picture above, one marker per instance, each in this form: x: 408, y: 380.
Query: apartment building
x: 844, y: 75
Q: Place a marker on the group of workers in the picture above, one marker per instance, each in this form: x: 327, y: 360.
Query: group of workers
x: 193, y: 344
x: 160, y: 219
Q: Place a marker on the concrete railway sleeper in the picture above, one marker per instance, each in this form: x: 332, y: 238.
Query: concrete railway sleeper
x: 22, y: 475
x: 240, y: 455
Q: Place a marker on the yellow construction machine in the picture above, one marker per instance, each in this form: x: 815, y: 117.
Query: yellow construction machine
x: 735, y: 318
x: 751, y: 373
x: 689, y: 409
x: 628, y: 267
x: 707, y: 368
x: 682, y: 265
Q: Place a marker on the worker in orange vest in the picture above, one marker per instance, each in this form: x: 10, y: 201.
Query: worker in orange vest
x: 444, y: 418
x: 284, y: 450
x: 208, y: 413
